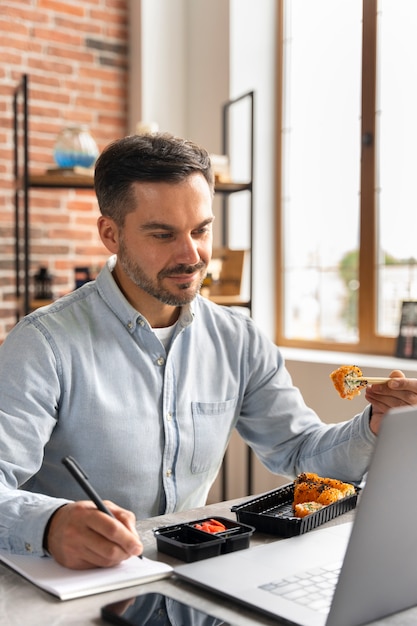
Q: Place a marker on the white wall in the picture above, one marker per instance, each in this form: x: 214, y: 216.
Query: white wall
x: 252, y: 61
x: 158, y: 64
x: 192, y: 57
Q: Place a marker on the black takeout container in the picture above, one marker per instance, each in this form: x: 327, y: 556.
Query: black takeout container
x: 272, y: 512
x: 187, y: 543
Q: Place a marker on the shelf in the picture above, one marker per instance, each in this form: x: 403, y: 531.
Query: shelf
x: 229, y: 300
x: 33, y: 304
x: 67, y: 180
x: 232, y: 187
x: 38, y: 302
x: 63, y: 181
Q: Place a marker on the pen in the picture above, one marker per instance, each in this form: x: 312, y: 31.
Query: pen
x: 82, y: 479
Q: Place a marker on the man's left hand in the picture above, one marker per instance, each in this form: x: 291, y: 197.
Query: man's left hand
x: 400, y: 391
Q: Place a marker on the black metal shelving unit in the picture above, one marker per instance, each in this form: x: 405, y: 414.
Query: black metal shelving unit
x: 24, y: 181
x: 227, y: 111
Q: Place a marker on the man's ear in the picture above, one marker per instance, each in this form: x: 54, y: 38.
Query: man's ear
x: 109, y: 233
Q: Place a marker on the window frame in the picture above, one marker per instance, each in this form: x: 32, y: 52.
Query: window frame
x: 369, y: 341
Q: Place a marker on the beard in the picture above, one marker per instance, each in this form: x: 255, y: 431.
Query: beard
x: 154, y: 287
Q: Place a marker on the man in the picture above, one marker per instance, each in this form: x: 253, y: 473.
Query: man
x: 142, y: 380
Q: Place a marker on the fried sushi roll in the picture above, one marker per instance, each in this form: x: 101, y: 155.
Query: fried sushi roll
x: 309, y: 477
x: 306, y: 508
x: 311, y: 490
x: 345, y: 381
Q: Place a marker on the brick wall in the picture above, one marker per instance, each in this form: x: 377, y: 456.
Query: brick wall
x: 75, y: 55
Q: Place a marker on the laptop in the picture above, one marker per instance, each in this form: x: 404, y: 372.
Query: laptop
x: 377, y: 553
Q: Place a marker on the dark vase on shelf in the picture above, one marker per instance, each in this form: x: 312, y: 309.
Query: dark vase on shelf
x: 82, y: 275
x: 43, y: 284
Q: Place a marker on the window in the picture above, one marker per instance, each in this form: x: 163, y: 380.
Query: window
x: 347, y: 252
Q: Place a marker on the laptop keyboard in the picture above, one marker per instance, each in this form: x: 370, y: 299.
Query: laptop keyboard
x: 313, y: 588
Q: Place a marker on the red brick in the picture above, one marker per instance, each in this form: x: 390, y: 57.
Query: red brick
x: 48, y: 40
x: 22, y: 12
x: 12, y: 26
x: 51, y: 34
x: 92, y: 251
x: 85, y: 26
x: 62, y: 7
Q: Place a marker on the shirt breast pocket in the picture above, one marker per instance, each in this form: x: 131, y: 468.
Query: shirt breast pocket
x: 212, y: 422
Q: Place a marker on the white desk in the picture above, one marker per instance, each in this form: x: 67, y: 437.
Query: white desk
x: 21, y: 603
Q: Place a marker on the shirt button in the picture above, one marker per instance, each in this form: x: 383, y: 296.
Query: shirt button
x: 28, y: 547
x: 160, y: 361
x: 169, y: 473
x: 169, y: 417
x: 141, y: 322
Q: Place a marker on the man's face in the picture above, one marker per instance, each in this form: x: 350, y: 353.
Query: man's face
x: 165, y: 245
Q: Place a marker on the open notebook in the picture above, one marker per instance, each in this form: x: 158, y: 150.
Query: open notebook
x: 68, y: 584
x: 379, y: 573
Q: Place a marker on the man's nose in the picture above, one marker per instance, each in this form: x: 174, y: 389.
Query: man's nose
x: 188, y: 251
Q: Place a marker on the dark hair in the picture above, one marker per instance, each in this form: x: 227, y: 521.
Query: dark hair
x: 159, y: 157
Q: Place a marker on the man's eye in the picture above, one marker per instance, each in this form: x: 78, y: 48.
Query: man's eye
x: 162, y: 235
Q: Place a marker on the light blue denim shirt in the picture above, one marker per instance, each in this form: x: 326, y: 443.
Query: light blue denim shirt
x: 88, y: 377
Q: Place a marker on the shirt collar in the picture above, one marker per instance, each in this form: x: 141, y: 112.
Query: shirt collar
x: 127, y: 314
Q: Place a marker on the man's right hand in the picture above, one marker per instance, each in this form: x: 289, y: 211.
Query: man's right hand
x: 82, y: 537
